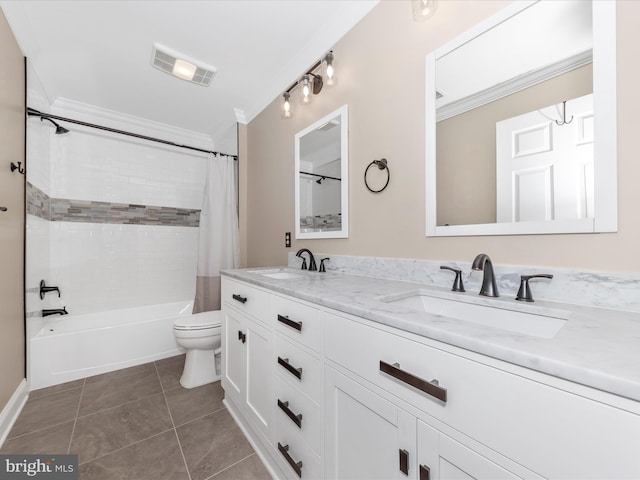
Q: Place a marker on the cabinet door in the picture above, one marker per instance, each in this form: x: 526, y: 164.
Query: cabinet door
x: 259, y: 376
x: 442, y: 458
x: 233, y: 354
x: 366, y: 437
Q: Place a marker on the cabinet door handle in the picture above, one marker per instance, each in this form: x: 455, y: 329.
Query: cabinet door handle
x: 430, y: 388
x: 297, y: 372
x: 290, y: 323
x: 242, y: 336
x: 3, y: 209
x: 404, y: 461
x: 297, y: 466
x: 239, y: 298
x: 425, y: 472
x: 297, y: 419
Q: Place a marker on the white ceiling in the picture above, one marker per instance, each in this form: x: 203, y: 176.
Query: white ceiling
x: 99, y: 53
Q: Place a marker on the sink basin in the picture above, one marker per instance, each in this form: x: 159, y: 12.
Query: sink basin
x: 277, y: 273
x: 526, y: 319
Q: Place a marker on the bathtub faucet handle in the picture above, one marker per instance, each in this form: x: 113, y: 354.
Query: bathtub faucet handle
x: 44, y: 289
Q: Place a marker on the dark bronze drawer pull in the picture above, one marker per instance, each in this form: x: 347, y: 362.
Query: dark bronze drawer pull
x: 425, y: 472
x: 297, y: 372
x: 297, y: 466
x: 297, y: 419
x: 239, y: 298
x: 404, y: 461
x: 290, y: 323
x: 430, y: 388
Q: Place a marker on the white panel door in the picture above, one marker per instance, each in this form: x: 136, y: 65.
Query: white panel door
x: 442, y: 458
x: 364, y: 433
x: 259, y: 381
x: 544, y: 171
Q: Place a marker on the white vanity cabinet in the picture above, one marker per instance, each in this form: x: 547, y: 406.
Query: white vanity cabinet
x: 325, y: 394
x: 247, y: 352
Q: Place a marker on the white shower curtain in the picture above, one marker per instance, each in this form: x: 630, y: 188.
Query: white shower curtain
x: 218, y: 246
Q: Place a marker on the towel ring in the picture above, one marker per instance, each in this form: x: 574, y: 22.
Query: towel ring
x: 382, y: 165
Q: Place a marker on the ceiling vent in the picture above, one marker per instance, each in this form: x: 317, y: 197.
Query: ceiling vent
x: 181, y: 66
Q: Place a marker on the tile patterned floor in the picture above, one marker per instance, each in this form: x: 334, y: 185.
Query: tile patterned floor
x: 138, y: 423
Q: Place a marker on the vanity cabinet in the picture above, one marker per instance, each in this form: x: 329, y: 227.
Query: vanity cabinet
x: 325, y: 394
x: 247, y: 353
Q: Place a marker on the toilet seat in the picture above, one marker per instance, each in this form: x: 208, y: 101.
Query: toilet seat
x: 196, y: 322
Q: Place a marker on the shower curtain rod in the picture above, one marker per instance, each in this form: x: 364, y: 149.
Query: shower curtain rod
x: 35, y: 113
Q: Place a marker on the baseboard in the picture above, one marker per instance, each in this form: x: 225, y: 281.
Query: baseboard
x: 12, y: 409
x: 259, y: 448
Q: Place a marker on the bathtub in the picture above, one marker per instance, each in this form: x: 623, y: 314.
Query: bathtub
x: 76, y: 346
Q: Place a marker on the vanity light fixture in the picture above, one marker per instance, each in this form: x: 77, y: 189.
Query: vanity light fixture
x: 309, y: 84
x: 423, y: 9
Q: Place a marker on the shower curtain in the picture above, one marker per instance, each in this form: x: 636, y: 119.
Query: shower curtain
x: 218, y: 246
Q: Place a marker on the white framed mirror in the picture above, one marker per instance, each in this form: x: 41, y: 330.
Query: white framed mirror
x: 520, y: 116
x: 321, y: 178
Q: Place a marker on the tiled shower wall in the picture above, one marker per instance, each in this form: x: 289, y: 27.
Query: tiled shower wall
x: 122, y: 219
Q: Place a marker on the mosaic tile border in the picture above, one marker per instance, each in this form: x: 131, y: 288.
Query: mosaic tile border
x: 86, y: 211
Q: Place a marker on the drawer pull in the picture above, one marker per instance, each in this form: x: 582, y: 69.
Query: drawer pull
x: 297, y: 419
x: 290, y: 323
x: 297, y: 466
x: 404, y: 461
x: 297, y: 372
x: 430, y: 388
x: 425, y: 472
x: 239, y: 298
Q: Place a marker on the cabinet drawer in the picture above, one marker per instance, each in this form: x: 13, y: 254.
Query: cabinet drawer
x: 299, y: 367
x: 553, y: 432
x: 295, y: 407
x: 247, y: 299
x: 291, y: 448
x: 300, y: 322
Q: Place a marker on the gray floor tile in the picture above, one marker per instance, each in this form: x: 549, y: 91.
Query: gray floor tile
x: 212, y: 444
x: 101, y: 433
x: 42, y: 392
x: 54, y: 440
x: 250, y: 468
x: 43, y: 412
x: 119, y: 387
x: 187, y: 404
x: 153, y: 459
x: 170, y: 371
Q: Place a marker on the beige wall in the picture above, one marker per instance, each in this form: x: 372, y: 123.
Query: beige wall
x: 380, y: 65
x: 12, y: 124
x: 466, y: 147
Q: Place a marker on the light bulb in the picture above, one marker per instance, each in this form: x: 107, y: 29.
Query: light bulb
x: 329, y: 69
x: 423, y: 9
x: 286, y: 106
x: 306, y: 88
x: 184, y: 70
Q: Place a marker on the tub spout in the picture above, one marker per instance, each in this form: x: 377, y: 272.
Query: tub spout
x: 55, y: 311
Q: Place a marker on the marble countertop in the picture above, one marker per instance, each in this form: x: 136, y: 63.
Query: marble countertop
x: 596, y: 347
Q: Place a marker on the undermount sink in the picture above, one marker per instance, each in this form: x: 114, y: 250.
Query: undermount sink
x: 278, y: 273
x: 528, y: 320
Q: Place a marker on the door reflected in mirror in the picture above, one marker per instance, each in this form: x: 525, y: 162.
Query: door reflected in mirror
x: 321, y: 180
x: 520, y: 115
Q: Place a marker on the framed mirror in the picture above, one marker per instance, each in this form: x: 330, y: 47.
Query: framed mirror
x: 520, y: 116
x: 321, y: 178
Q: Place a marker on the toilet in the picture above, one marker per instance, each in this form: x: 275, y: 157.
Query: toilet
x: 199, y: 334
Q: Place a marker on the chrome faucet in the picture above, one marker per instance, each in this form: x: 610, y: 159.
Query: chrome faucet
x: 312, y: 261
x: 489, y: 287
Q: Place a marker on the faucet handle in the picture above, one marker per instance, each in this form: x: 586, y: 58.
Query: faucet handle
x: 304, y: 263
x: 524, y: 292
x: 322, y: 267
x: 457, y: 282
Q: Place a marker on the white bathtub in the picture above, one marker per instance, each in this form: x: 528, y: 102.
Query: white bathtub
x: 75, y: 346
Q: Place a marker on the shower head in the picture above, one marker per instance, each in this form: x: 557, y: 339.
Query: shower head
x: 319, y: 181
x: 60, y: 130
